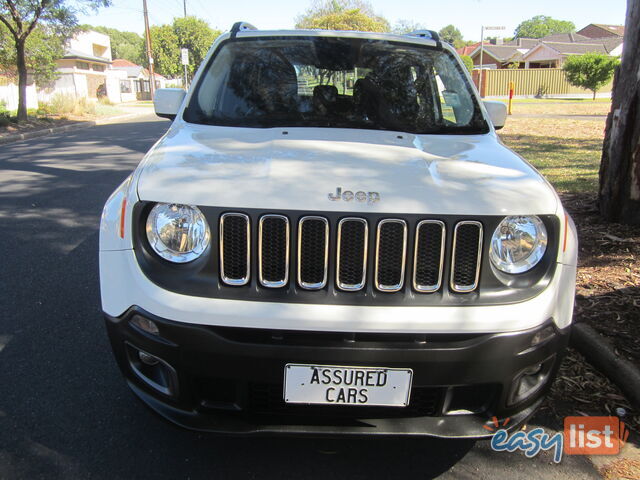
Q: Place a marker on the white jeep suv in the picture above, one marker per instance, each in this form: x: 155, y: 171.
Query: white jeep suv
x: 331, y: 238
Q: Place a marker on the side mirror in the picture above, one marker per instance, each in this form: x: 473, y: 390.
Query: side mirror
x: 167, y: 102
x: 497, y: 113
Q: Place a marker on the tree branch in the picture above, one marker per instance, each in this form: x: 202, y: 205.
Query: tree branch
x: 16, y: 17
x: 36, y: 16
x: 9, y: 26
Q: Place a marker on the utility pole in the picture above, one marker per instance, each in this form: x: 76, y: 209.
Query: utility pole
x: 152, y: 81
x: 184, y: 6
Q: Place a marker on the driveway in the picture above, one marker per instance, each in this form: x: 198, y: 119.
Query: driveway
x: 65, y: 411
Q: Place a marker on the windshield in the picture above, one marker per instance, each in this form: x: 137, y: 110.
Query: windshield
x: 335, y: 82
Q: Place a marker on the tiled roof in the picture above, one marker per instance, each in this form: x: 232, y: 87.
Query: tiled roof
x: 568, y: 48
x: 503, y: 53
x: 121, y: 62
x: 84, y: 56
x: 617, y: 29
x: 565, y: 37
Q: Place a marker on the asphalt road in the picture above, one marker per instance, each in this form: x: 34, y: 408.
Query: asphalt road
x: 65, y: 411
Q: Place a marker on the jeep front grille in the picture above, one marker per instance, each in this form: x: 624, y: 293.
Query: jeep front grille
x: 235, y: 248
x: 467, y: 251
x: 273, y: 251
x: 351, y: 265
x: 313, y: 252
x: 339, y: 251
x: 428, y: 255
x: 391, y: 254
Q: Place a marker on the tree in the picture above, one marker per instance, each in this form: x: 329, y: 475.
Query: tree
x: 166, y: 51
x: 342, y: 15
x: 407, y: 26
x: 55, y: 17
x: 42, y: 49
x: 127, y: 45
x: 195, y: 35
x: 451, y: 35
x: 590, y: 71
x: 541, y: 26
x: 191, y: 33
x: 619, y: 192
x: 468, y: 62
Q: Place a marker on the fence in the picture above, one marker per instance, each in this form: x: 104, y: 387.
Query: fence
x: 530, y: 82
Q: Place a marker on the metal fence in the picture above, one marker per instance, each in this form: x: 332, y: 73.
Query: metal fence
x: 529, y: 81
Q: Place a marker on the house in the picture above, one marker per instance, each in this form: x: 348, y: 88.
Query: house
x: 598, y: 30
x: 547, y: 52
x: 84, y: 68
x: 134, y: 80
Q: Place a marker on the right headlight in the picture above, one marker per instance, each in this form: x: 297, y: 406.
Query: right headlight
x: 518, y: 244
x: 178, y: 233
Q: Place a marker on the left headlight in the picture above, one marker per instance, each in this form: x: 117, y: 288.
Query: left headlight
x: 178, y: 233
x: 518, y: 244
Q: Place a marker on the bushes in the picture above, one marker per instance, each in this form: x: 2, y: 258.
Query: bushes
x: 4, y: 114
x: 62, y: 104
x: 468, y: 62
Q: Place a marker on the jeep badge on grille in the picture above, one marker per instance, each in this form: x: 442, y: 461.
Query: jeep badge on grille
x: 359, y: 196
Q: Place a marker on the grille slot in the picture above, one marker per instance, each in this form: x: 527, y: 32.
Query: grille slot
x: 235, y: 248
x: 273, y: 251
x: 391, y: 253
x: 313, y: 252
x: 351, y: 269
x: 428, y: 256
x: 467, y: 249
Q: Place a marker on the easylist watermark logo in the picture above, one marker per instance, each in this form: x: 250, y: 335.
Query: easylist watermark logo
x: 581, y: 436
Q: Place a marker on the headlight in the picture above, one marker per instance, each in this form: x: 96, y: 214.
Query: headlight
x: 518, y: 244
x: 178, y: 233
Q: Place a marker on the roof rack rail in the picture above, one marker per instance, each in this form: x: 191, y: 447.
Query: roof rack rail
x: 241, y: 27
x: 433, y: 35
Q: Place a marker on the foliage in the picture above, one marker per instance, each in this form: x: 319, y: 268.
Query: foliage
x: 451, y: 35
x: 42, y: 49
x: 48, y: 22
x: 541, y: 26
x: 167, y: 40
x: 342, y: 15
x: 590, y: 71
x: 468, y: 62
x: 195, y: 35
x: 407, y: 26
x: 62, y: 103
x: 166, y: 52
x: 127, y: 45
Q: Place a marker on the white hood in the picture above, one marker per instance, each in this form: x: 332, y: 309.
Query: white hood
x: 297, y: 170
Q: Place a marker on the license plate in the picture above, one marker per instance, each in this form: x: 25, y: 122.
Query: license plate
x: 334, y: 385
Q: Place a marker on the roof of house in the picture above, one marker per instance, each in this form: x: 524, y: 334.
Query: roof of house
x: 468, y: 49
x: 565, y: 37
x: 73, y: 54
x: 569, y: 48
x: 121, y: 62
x: 613, y: 29
x: 502, y: 53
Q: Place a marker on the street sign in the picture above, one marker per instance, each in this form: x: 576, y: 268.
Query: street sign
x: 184, y: 53
x: 495, y: 28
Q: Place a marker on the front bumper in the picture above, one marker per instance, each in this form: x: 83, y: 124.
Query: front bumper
x: 227, y: 379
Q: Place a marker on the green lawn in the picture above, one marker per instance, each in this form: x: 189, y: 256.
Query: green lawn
x: 565, y: 150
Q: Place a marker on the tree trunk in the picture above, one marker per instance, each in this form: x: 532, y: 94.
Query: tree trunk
x: 619, y: 195
x: 22, y: 80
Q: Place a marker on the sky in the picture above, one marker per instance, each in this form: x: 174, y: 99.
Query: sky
x: 466, y: 15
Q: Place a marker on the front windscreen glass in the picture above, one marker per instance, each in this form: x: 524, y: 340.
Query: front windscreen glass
x: 335, y: 82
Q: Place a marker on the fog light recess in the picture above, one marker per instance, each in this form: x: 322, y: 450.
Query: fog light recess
x: 530, y: 381
x: 145, y: 324
x: 153, y: 370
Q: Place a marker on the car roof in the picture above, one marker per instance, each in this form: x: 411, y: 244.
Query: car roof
x: 408, y: 38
